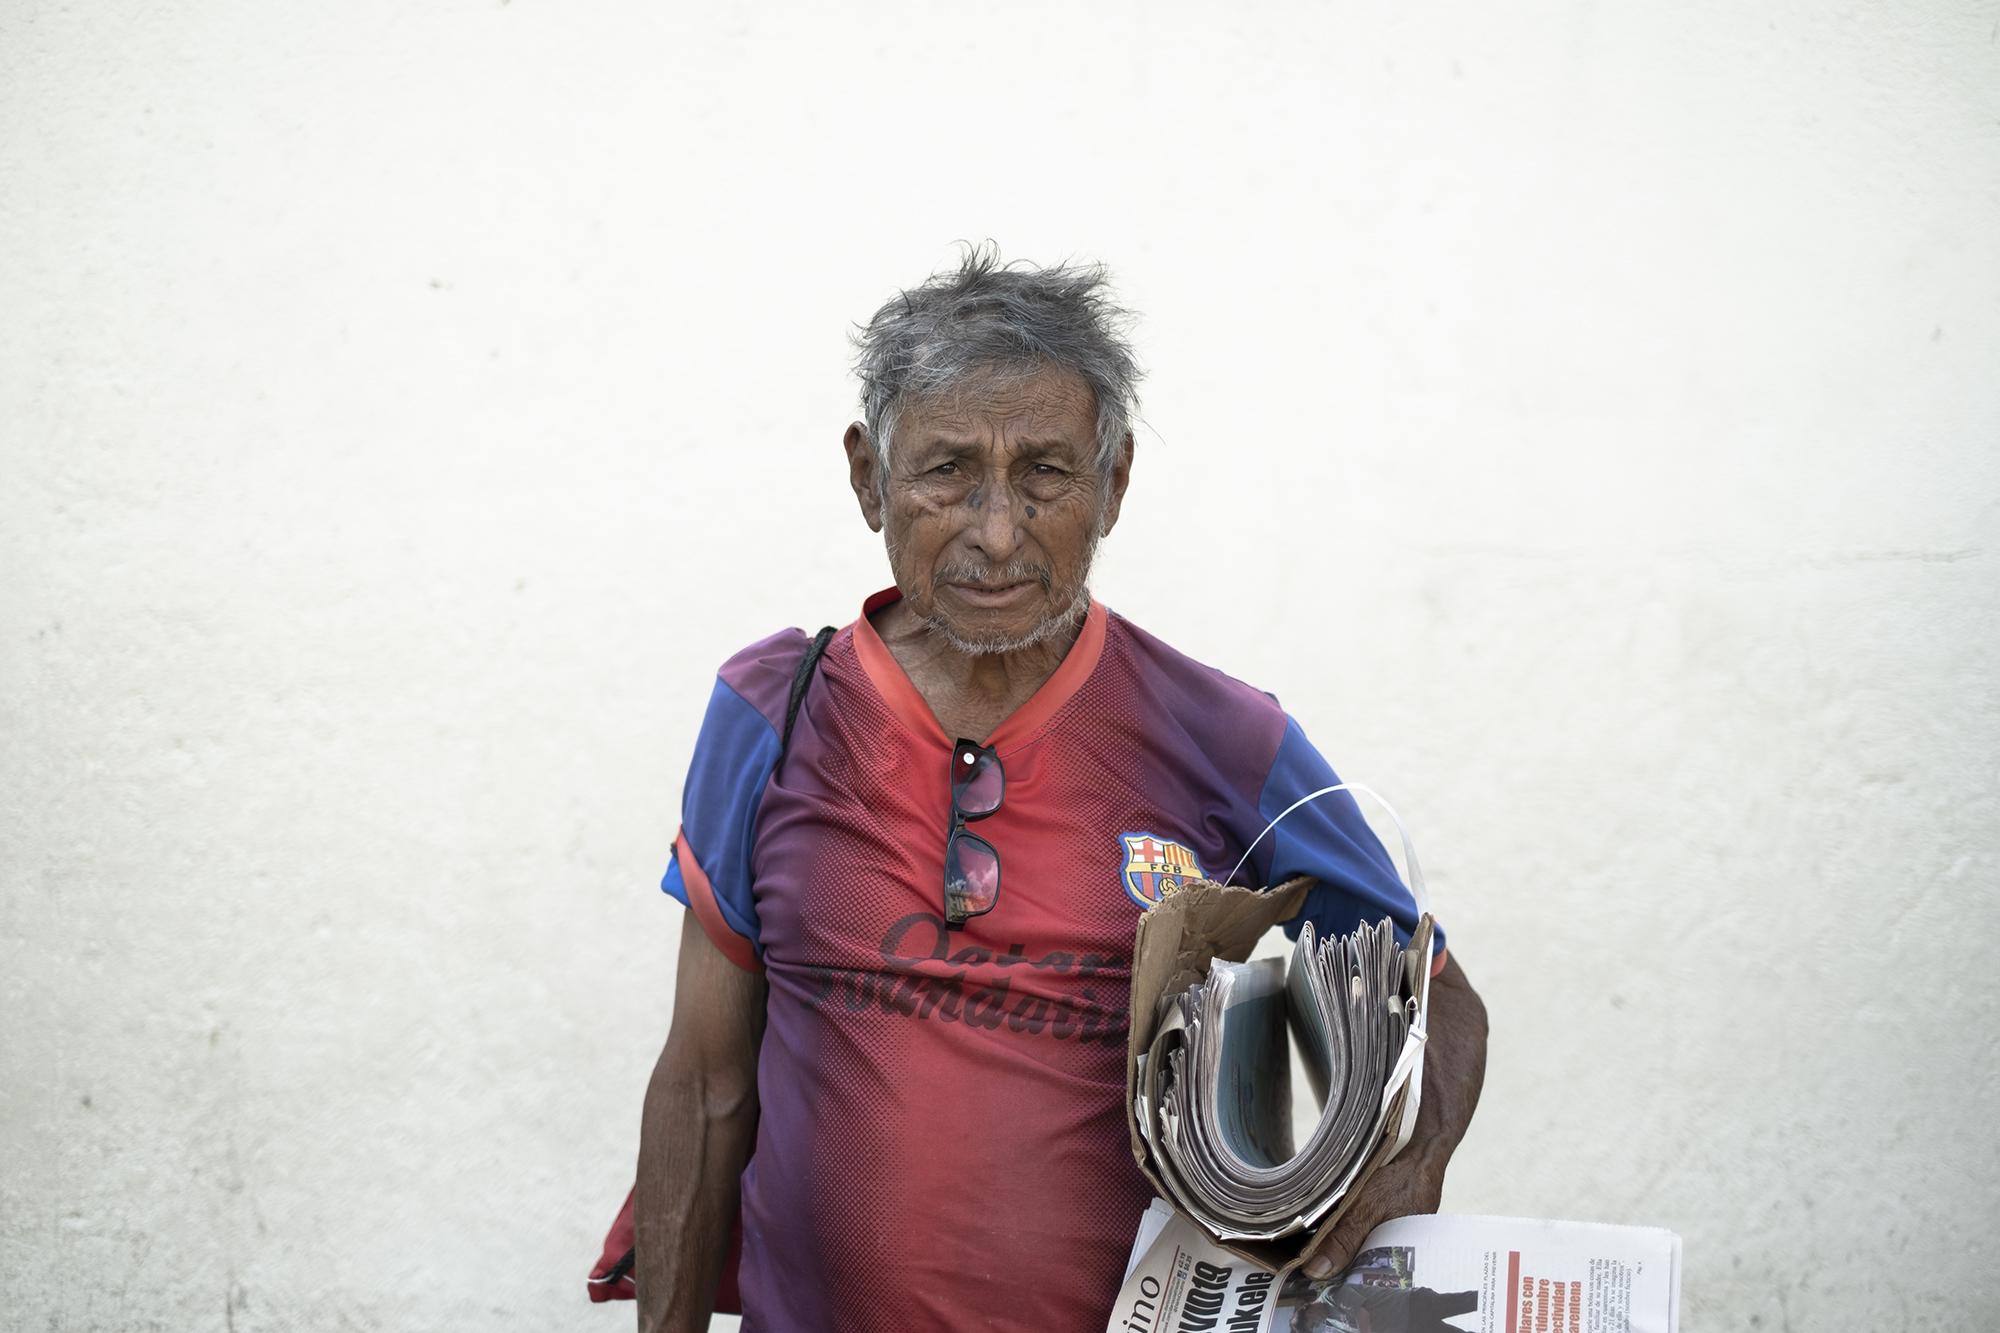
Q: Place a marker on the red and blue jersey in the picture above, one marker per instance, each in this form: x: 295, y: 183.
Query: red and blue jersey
x: 943, y: 1142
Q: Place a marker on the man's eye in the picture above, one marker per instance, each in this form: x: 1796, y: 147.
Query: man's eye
x: 1047, y: 470
x: 946, y: 469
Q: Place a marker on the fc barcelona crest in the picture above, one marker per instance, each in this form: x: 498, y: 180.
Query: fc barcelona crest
x: 1156, y: 867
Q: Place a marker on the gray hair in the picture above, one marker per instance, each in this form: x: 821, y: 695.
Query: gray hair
x: 987, y: 317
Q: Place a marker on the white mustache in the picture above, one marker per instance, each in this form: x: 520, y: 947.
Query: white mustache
x: 1003, y: 577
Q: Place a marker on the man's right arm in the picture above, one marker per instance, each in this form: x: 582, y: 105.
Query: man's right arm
x: 699, y: 1125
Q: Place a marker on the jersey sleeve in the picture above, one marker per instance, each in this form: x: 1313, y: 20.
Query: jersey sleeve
x: 734, y: 756
x: 1330, y: 841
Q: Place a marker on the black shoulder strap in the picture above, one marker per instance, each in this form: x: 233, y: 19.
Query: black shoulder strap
x: 807, y: 665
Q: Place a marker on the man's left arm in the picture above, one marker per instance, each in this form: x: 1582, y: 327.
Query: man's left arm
x: 1454, y: 1068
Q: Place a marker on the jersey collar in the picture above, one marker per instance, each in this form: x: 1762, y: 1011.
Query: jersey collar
x: 897, y: 690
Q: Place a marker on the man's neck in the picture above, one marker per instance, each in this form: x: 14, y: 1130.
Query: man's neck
x: 970, y: 694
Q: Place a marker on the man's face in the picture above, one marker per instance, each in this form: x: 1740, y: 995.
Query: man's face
x: 993, y: 506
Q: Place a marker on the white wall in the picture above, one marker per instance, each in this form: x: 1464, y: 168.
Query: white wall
x: 1584, y: 420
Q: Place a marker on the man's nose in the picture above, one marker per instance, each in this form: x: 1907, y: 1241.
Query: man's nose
x: 996, y: 528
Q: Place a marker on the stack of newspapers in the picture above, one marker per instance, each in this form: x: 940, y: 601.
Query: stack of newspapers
x: 1414, y: 1274
x: 1248, y: 1190
x: 1213, y: 1096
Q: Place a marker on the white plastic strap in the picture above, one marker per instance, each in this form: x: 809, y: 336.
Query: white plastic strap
x: 1413, y: 875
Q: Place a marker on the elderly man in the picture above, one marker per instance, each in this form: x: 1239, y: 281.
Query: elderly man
x: 916, y: 864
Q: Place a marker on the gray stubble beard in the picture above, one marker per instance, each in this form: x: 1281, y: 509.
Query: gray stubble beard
x: 1062, y: 622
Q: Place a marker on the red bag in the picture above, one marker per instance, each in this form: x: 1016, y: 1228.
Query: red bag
x: 611, y: 1280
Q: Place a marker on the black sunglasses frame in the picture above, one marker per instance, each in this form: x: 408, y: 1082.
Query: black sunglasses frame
x: 956, y: 911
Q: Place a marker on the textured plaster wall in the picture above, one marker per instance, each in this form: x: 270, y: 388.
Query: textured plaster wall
x: 1584, y: 418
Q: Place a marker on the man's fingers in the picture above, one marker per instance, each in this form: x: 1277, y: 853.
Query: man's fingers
x: 1335, y: 1250
x: 1397, y: 1190
x: 1369, y: 1208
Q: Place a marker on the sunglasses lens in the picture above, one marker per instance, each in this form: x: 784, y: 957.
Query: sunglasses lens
x: 971, y: 877
x: 977, y: 782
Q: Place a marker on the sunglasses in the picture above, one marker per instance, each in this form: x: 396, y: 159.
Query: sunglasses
x: 971, y: 866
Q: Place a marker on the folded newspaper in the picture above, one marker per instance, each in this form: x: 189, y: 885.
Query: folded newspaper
x: 1434, y: 1274
x: 1208, y: 1073
x: 1215, y: 1100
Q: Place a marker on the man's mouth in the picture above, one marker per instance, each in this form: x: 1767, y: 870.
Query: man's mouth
x: 993, y: 594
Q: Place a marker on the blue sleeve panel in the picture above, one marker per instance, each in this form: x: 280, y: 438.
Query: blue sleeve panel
x: 1329, y: 840
x: 733, y: 759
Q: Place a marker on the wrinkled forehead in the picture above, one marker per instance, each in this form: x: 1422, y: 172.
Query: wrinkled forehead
x: 1004, y: 405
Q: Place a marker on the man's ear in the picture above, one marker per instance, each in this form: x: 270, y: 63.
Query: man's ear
x: 864, y: 473
x: 1121, y: 477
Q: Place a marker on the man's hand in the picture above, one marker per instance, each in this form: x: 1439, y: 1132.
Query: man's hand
x: 1454, y: 1068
